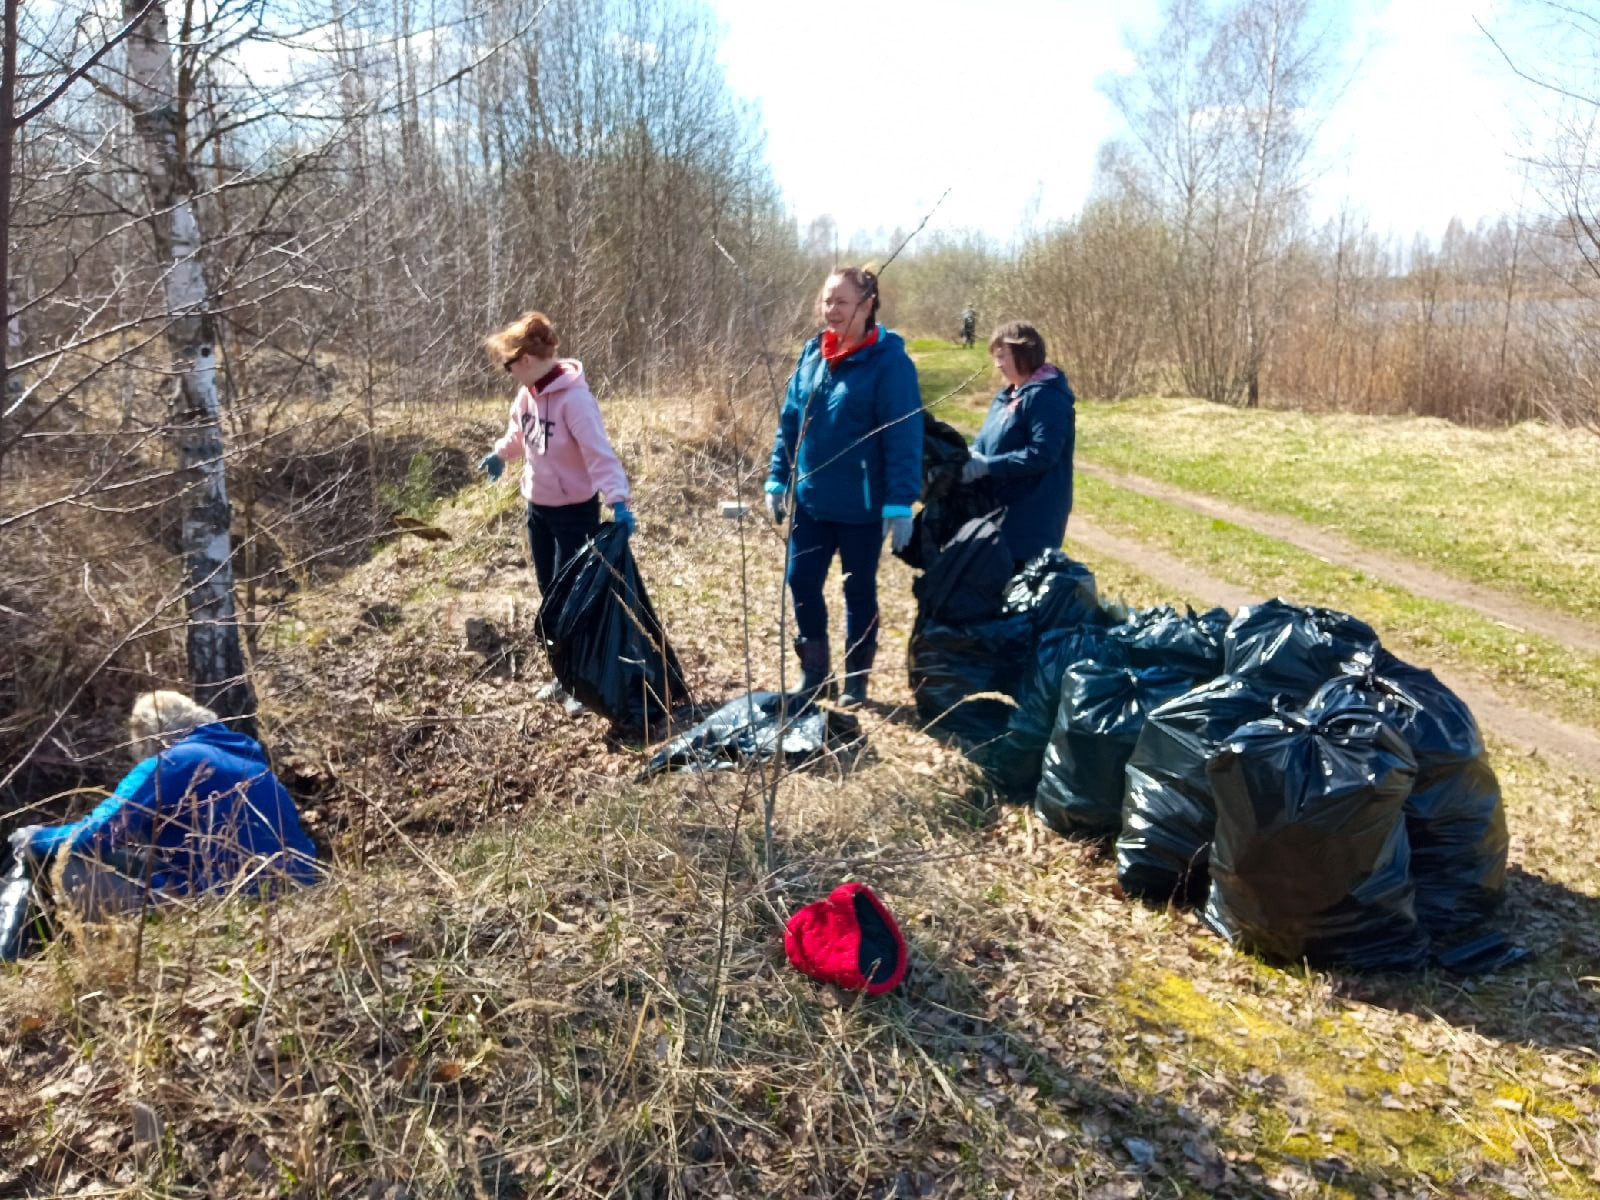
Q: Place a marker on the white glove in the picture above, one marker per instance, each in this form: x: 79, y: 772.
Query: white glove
x: 899, y: 531
x: 974, y: 468
x: 776, y: 509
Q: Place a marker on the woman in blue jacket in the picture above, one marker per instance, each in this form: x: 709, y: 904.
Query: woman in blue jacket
x: 847, y: 463
x: 202, y: 811
x: 1025, y: 445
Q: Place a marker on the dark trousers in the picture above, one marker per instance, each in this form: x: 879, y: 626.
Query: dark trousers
x: 812, y: 545
x: 557, y: 532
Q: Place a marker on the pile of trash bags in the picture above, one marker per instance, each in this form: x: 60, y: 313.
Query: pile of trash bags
x: 605, y: 643
x: 1317, y: 797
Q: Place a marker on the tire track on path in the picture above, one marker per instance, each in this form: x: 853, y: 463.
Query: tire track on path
x: 1490, y: 602
x: 1495, y: 712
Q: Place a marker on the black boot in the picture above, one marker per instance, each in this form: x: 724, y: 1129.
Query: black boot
x: 857, y: 666
x: 813, y: 655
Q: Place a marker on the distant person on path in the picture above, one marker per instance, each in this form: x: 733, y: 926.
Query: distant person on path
x: 1026, y: 443
x: 201, y: 812
x: 969, y: 325
x: 848, y: 457
x: 567, y: 461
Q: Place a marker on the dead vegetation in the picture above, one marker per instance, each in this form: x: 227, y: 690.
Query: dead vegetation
x: 530, y: 975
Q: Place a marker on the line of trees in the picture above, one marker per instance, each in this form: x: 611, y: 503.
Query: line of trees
x: 1194, y: 268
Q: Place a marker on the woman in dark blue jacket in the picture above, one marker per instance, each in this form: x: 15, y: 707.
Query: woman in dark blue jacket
x: 848, y: 463
x: 1025, y: 445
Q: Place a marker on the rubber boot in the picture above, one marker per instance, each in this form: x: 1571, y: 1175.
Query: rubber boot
x: 813, y: 655
x: 857, y: 666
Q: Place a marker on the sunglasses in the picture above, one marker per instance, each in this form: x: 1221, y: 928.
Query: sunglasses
x: 511, y: 361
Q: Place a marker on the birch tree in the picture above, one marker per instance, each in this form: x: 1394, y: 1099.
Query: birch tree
x: 216, y: 660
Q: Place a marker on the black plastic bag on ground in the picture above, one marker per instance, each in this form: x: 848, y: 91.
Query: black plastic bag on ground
x: 1455, y: 819
x: 1055, y: 591
x: 605, y: 643
x: 1164, y: 637
x: 1014, y: 762
x: 1283, y: 645
x: 947, y: 503
x: 948, y: 663
x: 754, y: 727
x: 1103, y: 708
x: 16, y: 912
x: 1310, y: 860
x: 966, y: 582
x: 1169, y: 813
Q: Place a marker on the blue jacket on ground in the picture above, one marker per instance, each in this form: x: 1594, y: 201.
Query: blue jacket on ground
x: 1028, y: 440
x: 210, y: 807
x: 856, y: 429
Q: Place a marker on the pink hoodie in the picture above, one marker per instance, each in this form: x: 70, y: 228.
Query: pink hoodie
x: 559, y: 436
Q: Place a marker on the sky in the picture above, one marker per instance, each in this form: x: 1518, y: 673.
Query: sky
x: 870, y: 115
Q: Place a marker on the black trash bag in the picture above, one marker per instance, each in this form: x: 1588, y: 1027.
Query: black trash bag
x: 1164, y: 637
x: 1283, y: 645
x: 966, y: 581
x: 947, y: 503
x: 1168, y: 811
x: 17, y: 912
x: 749, y: 728
x: 1013, y: 763
x: 1103, y: 708
x: 1055, y: 591
x: 948, y: 663
x: 605, y: 643
x: 1455, y: 819
x: 1310, y: 860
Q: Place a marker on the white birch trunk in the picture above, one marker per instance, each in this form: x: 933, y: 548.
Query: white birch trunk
x: 216, y: 661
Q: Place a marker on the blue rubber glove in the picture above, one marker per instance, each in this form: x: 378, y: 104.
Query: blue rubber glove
x: 491, y: 463
x: 974, y: 468
x: 621, y: 516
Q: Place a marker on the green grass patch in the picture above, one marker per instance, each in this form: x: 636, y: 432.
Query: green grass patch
x: 1507, y: 507
x: 1565, y: 681
x: 964, y: 380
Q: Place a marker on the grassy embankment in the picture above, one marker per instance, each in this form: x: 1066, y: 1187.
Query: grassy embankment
x: 533, y: 975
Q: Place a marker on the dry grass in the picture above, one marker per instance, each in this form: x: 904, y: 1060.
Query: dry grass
x: 531, y: 975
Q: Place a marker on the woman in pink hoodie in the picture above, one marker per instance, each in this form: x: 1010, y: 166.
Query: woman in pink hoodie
x: 555, y: 429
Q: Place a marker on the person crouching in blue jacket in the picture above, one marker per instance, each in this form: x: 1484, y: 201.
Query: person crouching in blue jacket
x: 848, y: 463
x: 202, y: 811
x: 1026, y: 443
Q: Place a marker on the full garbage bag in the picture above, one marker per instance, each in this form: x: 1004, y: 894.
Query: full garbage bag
x: 1014, y: 762
x: 1055, y: 591
x: 758, y: 726
x: 947, y: 503
x: 949, y: 663
x: 1283, y: 645
x: 1102, y: 709
x: 1310, y: 860
x: 967, y: 581
x: 1455, y: 819
x: 1169, y: 813
x: 605, y: 642
x: 1165, y: 637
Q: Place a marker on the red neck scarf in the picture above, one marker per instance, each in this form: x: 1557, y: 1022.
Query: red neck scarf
x: 832, y: 352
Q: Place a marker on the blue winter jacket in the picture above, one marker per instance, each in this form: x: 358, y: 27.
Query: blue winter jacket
x: 857, y: 430
x: 210, y: 807
x: 1028, y: 439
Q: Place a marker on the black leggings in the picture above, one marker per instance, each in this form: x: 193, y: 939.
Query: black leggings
x: 557, y: 532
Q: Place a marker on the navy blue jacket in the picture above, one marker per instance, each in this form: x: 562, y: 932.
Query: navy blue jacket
x: 1028, y: 439
x: 210, y: 807
x: 856, y: 429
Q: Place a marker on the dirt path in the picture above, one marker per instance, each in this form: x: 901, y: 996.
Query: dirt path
x: 1498, y: 606
x: 1501, y: 716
